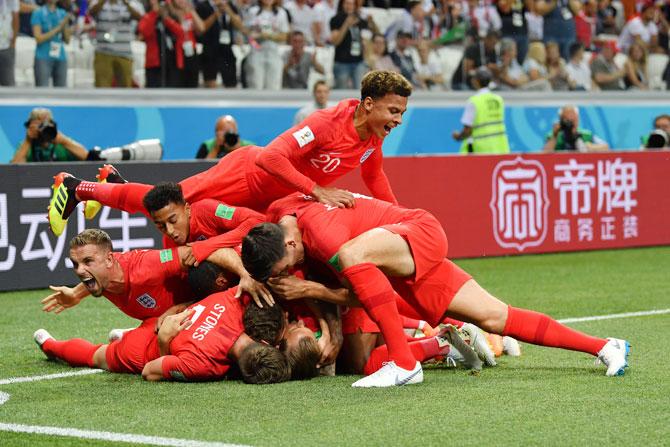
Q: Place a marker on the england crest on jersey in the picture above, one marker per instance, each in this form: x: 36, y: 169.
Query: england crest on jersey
x: 367, y: 154
x: 519, y: 203
x: 146, y: 301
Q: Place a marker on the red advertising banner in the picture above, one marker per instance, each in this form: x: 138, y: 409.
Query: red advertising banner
x: 516, y: 204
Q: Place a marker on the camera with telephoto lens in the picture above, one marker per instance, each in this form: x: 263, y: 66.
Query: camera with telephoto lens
x: 658, y: 139
x: 151, y: 149
x: 46, y: 133
x: 569, y: 134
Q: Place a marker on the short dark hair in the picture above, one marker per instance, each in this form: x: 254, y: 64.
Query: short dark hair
x: 163, y: 194
x: 302, y: 359
x: 262, y: 364
x: 92, y: 236
x: 202, y: 279
x: 262, y: 247
x: 379, y: 83
x: 263, y: 324
x: 574, y: 49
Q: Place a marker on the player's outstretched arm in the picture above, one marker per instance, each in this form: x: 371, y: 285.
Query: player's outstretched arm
x: 63, y: 298
x: 293, y: 288
x: 153, y: 371
x: 230, y: 260
x: 340, y: 198
x: 171, y: 327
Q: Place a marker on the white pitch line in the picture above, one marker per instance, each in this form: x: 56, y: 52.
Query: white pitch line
x: 643, y: 313
x: 81, y: 372
x: 4, y: 397
x: 110, y: 436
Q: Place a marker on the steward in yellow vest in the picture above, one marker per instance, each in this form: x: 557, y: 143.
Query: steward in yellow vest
x: 483, y: 120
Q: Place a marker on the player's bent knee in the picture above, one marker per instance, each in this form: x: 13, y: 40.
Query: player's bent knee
x: 495, y: 319
x: 100, y: 358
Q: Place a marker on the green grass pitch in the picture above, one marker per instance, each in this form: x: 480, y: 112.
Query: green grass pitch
x: 545, y: 397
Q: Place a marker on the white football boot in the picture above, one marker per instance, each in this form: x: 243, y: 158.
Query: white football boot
x: 468, y: 356
x: 117, y: 334
x: 479, y: 343
x: 389, y: 375
x: 615, y: 356
x: 40, y: 336
x: 511, y: 347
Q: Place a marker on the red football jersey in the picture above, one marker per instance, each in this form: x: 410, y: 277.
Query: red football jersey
x: 321, y: 149
x: 200, y: 352
x: 326, y: 228
x: 215, y: 225
x: 154, y: 281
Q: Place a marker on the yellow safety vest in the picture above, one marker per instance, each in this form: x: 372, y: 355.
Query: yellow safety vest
x: 488, y: 130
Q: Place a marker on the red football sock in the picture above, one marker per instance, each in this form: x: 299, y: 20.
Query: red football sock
x: 76, y: 351
x: 121, y: 196
x: 423, y: 349
x: 540, y: 329
x: 378, y: 298
x: 458, y: 323
x: 412, y: 323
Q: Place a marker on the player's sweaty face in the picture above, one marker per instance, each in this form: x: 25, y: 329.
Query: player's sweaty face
x: 91, y: 265
x: 387, y: 113
x: 173, y: 221
x: 295, y: 331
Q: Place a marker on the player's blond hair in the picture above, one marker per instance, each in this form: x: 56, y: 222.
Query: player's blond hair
x: 92, y: 236
x: 379, y: 83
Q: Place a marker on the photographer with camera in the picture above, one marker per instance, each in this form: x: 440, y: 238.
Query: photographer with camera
x: 568, y: 136
x: 659, y: 137
x: 44, y: 142
x: 226, y: 139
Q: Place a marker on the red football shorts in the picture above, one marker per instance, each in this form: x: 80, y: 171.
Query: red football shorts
x: 426, y: 240
x: 137, y: 348
x: 431, y: 295
x: 355, y: 319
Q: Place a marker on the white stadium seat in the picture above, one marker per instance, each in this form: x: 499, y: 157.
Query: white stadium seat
x: 24, y: 61
x: 656, y: 64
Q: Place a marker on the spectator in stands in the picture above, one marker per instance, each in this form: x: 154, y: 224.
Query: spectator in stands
x: 413, y: 21
x: 535, y: 64
x: 481, y: 53
x: 641, y: 29
x: 483, y: 119
x: 636, y: 68
x: 483, y: 17
x: 428, y: 70
x: 511, y: 76
x: 514, y: 24
x: 163, y: 58
x: 347, y: 36
x: 566, y: 134
x: 606, y: 18
x: 26, y: 8
x: 191, y: 24
x: 578, y: 69
x: 559, y: 24
x: 220, y: 19
x: 298, y: 62
x: 321, y: 93
x: 9, y: 30
x: 43, y: 141
x: 268, y: 28
x: 113, y: 63
x: 324, y: 10
x: 51, y: 28
x: 557, y: 74
x: 402, y: 58
x: 226, y: 139
x: 303, y: 19
x: 449, y: 23
x: 377, y: 57
x: 606, y: 74
x: 585, y: 24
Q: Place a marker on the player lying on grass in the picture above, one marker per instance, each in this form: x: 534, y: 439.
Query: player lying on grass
x: 305, y: 158
x: 206, y: 229
x: 199, y: 343
x: 381, y: 251
x: 362, y: 349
